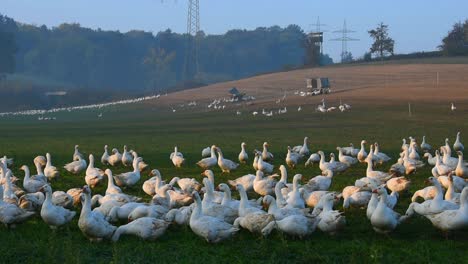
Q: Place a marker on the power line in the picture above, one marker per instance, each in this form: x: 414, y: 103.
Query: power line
x: 344, y: 39
x: 191, y: 67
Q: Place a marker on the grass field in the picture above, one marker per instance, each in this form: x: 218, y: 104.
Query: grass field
x: 154, y: 131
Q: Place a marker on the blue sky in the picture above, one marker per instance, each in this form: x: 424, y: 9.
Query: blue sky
x: 414, y: 24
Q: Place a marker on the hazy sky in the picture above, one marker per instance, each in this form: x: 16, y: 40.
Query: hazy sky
x: 414, y: 24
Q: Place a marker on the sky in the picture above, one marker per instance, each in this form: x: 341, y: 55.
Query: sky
x: 415, y: 25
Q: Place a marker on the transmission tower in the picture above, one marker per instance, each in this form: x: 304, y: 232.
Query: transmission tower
x: 191, y: 67
x: 316, y: 37
x: 344, y: 39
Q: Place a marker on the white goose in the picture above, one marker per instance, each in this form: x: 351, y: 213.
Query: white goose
x: 450, y: 194
x: 151, y: 185
x: 278, y: 212
x: 180, y: 216
x: 355, y: 197
x: 398, y: 184
x: 251, y: 218
x: 378, y: 175
x: 320, y: 182
x: 127, y: 157
x: 425, y: 147
x: 29, y: 184
x: 448, y: 160
x: 54, y: 215
x: 93, y: 175
x: 453, y: 219
x: 77, y: 153
x: 76, y: 166
x: 129, y: 178
x: 142, y: 165
x: 427, y: 193
x: 246, y: 181
x: 206, y: 152
x: 177, y: 158
x: 323, y: 165
x: 145, y: 210
x: 146, y: 228
x: 11, y: 214
x: 187, y: 185
x: 292, y: 158
x: 440, y: 168
x: 362, y: 154
x: 384, y: 219
x: 212, y: 229
x: 345, y: 159
x: 264, y: 166
x: 430, y: 159
x: 266, y: 156
x: 461, y: 170
x: 121, y: 212
x: 50, y: 171
x: 303, y: 149
x: 115, y: 158
x: 458, y: 146
x: 217, y: 197
x: 314, y: 158
x: 224, y: 164
x: 293, y: 225
x: 111, y: 188
x: 336, y: 165
x: 263, y: 185
x: 105, y: 156
x: 211, y: 208
x: 257, y: 155
x: 295, y: 199
x: 382, y: 157
x: 243, y: 156
x: 209, y: 162
x: 92, y: 224
x: 330, y: 221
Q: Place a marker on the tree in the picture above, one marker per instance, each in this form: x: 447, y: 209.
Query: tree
x: 158, y: 62
x: 383, y: 44
x: 7, y: 53
x: 456, y: 42
x: 346, y: 57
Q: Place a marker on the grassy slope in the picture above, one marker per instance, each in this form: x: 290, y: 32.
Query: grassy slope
x: 153, y: 134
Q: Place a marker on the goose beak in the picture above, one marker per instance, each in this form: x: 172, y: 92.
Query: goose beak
x: 374, y: 191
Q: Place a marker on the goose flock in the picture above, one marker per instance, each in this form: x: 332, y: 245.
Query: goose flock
x: 268, y: 201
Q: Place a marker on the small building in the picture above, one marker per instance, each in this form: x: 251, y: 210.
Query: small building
x: 318, y: 85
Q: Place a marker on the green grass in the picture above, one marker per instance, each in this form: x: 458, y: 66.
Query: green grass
x: 153, y: 133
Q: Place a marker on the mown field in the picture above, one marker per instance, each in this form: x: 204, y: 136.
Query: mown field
x: 153, y: 132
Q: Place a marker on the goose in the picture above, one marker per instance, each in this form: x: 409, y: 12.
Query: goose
x: 257, y: 155
x: 41, y: 160
x: 127, y: 157
x: 458, y: 146
x: 263, y: 185
x: 384, y: 219
x: 440, y: 168
x: 105, y: 156
x: 150, y: 185
x: 323, y: 165
x: 330, y: 221
x: 434, y: 206
x: 446, y: 147
x: 31, y: 185
x: 362, y: 154
x: 264, y: 166
x: 177, y: 160
x: 77, y: 154
x: 142, y: 165
x: 354, y: 196
x: 448, y: 160
x: 144, y: 210
x: 314, y: 158
x: 11, y: 214
x: 424, y: 146
x: 187, y: 185
x: 92, y: 224
x: 180, y: 216
x: 209, y: 162
x: 378, y: 175
x: 280, y: 200
x: 366, y: 183
x: 430, y: 160
x: 351, y: 151
x: 162, y: 197
x: 293, y: 225
x: 75, y: 193
x: 224, y: 164
x: 7, y: 161
x: 345, y: 159
x: 225, y: 213
x: 461, y: 170
x: 295, y: 199
x: 115, y: 158
x: 31, y: 201
x: 146, y: 228
x: 427, y: 193
x: 450, y: 194
x: 111, y: 188
x: 50, y: 171
x: 76, y: 166
x: 216, y: 196
x: 266, y: 156
x: 54, y: 216
x: 212, y: 229
x: 456, y: 219
x: 292, y: 158
x: 93, y: 175
x: 398, y: 184
x: 277, y: 212
x: 382, y: 157
x: 105, y: 207
x: 320, y: 183
x: 302, y: 150
x: 458, y: 183
x: 206, y: 152
x: 337, y: 166
x: 129, y: 179
x: 413, y: 154
x: 243, y: 157
x: 40, y: 174
x: 121, y: 212
x: 176, y: 153
x: 246, y: 181
x: 312, y: 198
x: 63, y: 199
x: 404, y: 145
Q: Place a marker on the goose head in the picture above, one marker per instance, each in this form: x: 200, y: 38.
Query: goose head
x: 243, y: 145
x: 105, y: 148
x: 433, y: 181
x: 267, y: 200
x: 108, y: 172
x: 91, y: 158
x: 259, y: 174
x: 25, y: 169
x: 46, y: 189
x: 86, y: 190
x: 125, y: 148
x: 363, y: 142
x: 306, y: 140
x: 41, y: 160
x: 48, y: 156
x: 265, y: 144
x: 76, y: 147
x: 223, y: 187
x: 154, y: 172
x: 115, y: 151
x: 379, y: 190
